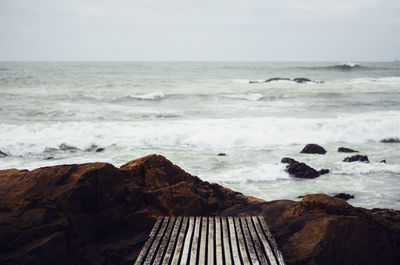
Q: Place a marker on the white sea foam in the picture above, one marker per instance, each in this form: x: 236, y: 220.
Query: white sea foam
x: 150, y: 96
x: 251, y: 96
x: 208, y: 133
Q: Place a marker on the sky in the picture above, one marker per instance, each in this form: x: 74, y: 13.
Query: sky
x: 199, y: 30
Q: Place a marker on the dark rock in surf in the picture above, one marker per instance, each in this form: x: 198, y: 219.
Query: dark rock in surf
x: 221, y: 154
x: 98, y: 150
x: 346, y: 150
x: 49, y: 158
x: 68, y: 148
x: 390, y: 140
x: 313, y: 149
x: 301, y: 80
x: 301, y: 170
x: 343, y: 196
x: 2, y: 154
x: 356, y: 158
x: 383, y: 161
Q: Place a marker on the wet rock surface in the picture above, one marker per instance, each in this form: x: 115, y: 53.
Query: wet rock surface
x: 313, y: 149
x: 390, y: 140
x: 356, y: 158
x: 346, y: 150
x: 301, y: 170
x: 98, y: 214
x: 343, y: 196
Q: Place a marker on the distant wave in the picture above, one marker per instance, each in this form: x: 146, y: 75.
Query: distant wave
x: 251, y: 97
x: 348, y: 66
x: 150, y: 96
x: 394, y: 80
x: 340, y: 67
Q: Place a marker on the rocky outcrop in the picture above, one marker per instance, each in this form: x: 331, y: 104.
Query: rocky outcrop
x: 346, y: 150
x: 299, y: 80
x: 313, y: 149
x: 99, y: 214
x: 2, y: 154
x: 301, y: 170
x: 356, y: 158
x: 390, y: 140
x: 343, y: 196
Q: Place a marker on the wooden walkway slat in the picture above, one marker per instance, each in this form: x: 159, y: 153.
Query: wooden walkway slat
x: 210, y: 241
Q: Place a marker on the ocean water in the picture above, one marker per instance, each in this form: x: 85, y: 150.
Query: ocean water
x: 63, y: 112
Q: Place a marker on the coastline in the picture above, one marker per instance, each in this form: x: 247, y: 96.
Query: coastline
x: 96, y: 213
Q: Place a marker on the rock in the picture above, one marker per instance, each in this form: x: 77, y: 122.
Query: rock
x: 383, y: 161
x: 356, y: 158
x: 2, y: 154
x: 302, y: 80
x: 313, y: 149
x: 98, y: 150
x: 390, y: 140
x: 49, y: 158
x: 343, y: 196
x: 68, y: 148
x: 346, y: 150
x: 97, y: 214
x: 301, y: 170
x: 221, y: 154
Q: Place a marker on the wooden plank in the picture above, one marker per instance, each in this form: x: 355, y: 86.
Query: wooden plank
x: 163, y: 246
x: 203, y: 241
x: 234, y: 243
x: 148, y: 243
x: 181, y: 240
x: 186, y: 246
x: 195, y: 241
x: 218, y: 240
x: 226, y: 239
x: 249, y: 243
x: 211, y: 241
x: 173, y: 240
x: 150, y: 257
x: 257, y: 244
x: 272, y: 241
x: 241, y: 241
x: 264, y: 242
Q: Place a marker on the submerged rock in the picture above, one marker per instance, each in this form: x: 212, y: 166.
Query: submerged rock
x: 313, y: 149
x: 390, y: 140
x: 356, y: 158
x: 301, y: 170
x: 299, y: 80
x: 343, y: 196
x: 383, y: 161
x: 221, y: 154
x: 98, y: 214
x: 2, y: 154
x: 346, y: 150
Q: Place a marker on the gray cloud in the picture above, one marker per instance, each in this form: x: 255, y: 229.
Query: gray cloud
x: 199, y: 30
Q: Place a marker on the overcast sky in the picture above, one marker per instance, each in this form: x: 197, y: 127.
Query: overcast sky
x: 216, y: 30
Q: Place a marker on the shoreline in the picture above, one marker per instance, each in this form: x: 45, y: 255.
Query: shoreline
x: 96, y: 213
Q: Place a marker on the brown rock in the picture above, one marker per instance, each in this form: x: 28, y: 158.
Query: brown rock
x: 301, y: 170
x: 98, y: 214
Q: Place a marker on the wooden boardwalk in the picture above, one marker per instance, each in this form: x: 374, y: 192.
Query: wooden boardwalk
x: 210, y: 240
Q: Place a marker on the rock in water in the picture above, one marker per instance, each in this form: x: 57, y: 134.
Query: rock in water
x: 221, y: 154
x: 343, y: 196
x: 346, y: 150
x: 301, y: 170
x: 2, y: 154
x: 356, y: 158
x: 313, y: 149
x: 390, y: 140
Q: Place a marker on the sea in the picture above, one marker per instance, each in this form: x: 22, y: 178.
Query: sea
x: 192, y: 113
